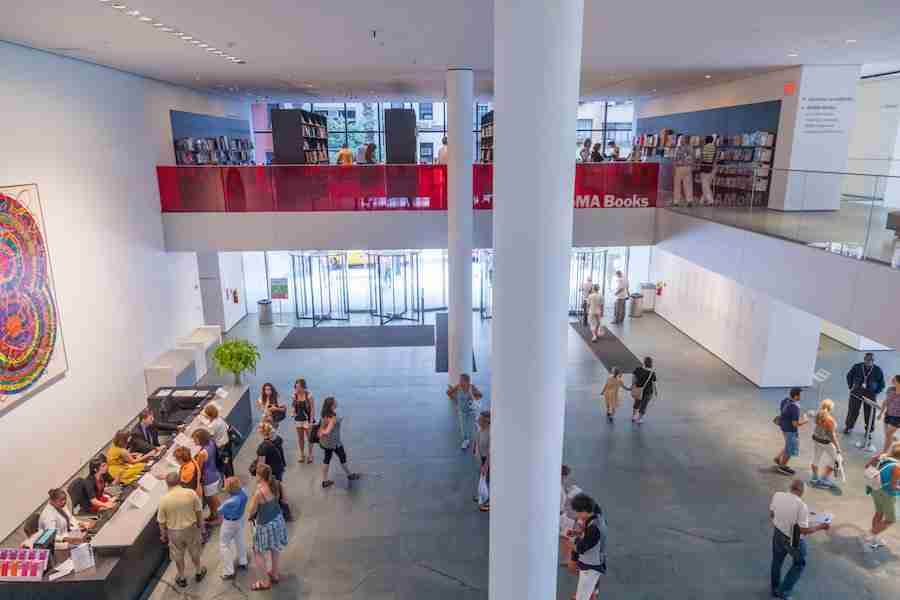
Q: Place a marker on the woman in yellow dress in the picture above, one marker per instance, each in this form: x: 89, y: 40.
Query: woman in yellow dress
x: 125, y: 467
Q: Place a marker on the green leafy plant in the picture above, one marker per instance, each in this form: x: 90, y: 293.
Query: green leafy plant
x: 236, y: 356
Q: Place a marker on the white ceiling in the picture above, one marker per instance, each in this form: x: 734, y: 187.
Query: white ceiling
x: 324, y: 49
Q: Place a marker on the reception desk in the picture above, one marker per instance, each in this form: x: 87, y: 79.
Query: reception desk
x: 127, y: 547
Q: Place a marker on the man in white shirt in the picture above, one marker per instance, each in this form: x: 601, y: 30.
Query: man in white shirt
x: 786, y: 511
x: 56, y: 515
x: 442, y: 152
x: 621, y: 285
x: 595, y: 310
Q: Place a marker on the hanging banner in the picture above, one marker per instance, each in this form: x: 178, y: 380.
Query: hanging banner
x: 279, y: 288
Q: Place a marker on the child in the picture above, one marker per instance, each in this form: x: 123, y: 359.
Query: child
x: 611, y: 392
x: 590, y: 546
x: 482, y: 449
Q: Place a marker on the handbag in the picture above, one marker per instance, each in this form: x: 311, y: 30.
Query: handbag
x: 637, y: 391
x: 314, y: 433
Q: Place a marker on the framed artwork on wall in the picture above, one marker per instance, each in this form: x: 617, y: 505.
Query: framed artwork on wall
x: 32, y: 353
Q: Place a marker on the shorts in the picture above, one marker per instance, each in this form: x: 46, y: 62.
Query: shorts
x: 183, y: 541
x: 828, y: 450
x: 893, y: 421
x: 211, y: 489
x: 594, y: 320
x: 791, y: 443
x: 885, y: 504
x: 342, y: 455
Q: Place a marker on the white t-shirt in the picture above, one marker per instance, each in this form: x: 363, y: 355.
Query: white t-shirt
x: 586, y: 288
x: 789, y: 511
x: 595, y: 303
x: 621, y: 286
x: 442, y: 155
x: 51, y: 519
x: 218, y: 429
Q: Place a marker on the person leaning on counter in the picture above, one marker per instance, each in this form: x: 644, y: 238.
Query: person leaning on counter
x: 88, y: 493
x: 56, y: 515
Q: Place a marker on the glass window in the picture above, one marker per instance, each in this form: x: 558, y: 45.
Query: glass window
x: 426, y: 111
x: 426, y: 152
x: 336, y: 139
x: 585, y: 124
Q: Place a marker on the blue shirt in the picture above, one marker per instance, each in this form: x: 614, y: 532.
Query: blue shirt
x: 790, y: 412
x: 233, y: 508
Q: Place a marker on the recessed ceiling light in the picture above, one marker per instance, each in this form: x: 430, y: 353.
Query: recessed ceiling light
x: 793, y: 55
x: 145, y: 19
x: 653, y: 90
x: 178, y: 33
x: 158, y: 24
x: 166, y: 29
x: 197, y: 42
x: 850, y: 41
x: 133, y: 13
x: 119, y: 6
x: 211, y: 49
x: 219, y: 52
x: 187, y: 38
x: 707, y: 76
x: 202, y: 44
x: 104, y: 1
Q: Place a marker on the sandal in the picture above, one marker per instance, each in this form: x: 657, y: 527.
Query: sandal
x: 301, y: 460
x: 484, y: 507
x: 309, y: 459
x: 259, y: 586
x: 327, y: 483
x: 273, y: 579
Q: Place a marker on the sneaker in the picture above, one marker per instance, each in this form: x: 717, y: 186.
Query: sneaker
x: 639, y: 420
x: 200, y: 574
x: 815, y: 481
x: 876, y: 542
x: 847, y: 431
x: 786, y: 470
x: 464, y: 445
x: 228, y: 577
x: 181, y: 582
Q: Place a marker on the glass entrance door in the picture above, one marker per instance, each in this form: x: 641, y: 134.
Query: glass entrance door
x: 585, y: 263
x: 485, y: 263
x: 321, y: 286
x: 395, y: 286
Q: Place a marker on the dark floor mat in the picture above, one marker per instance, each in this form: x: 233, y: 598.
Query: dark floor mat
x: 442, y: 340
x: 609, y: 349
x: 388, y: 336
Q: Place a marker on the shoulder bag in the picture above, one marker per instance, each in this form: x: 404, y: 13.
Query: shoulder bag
x: 637, y: 391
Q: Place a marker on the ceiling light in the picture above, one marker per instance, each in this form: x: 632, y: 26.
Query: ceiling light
x: 793, y: 55
x: 187, y: 38
x: 104, y: 1
x: 198, y: 42
x: 211, y: 49
x: 850, y: 41
x: 219, y: 52
x: 202, y: 44
x: 119, y: 6
x: 707, y: 76
x: 158, y: 24
x: 145, y: 19
x: 133, y: 13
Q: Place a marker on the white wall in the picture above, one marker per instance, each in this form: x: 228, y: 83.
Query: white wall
x: 849, y: 338
x: 212, y: 232
x: 767, y: 341
x: 231, y: 268
x: 221, y: 271
x: 875, y: 140
x: 90, y: 137
x: 854, y: 294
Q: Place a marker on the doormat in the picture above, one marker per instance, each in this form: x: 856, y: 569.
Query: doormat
x: 373, y: 336
x: 441, y: 351
x: 609, y: 349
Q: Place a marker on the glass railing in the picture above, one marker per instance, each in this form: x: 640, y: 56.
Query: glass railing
x: 852, y: 214
x: 300, y: 188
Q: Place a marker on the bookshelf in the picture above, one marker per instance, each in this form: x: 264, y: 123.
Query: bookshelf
x: 487, y: 138
x: 299, y: 137
x: 222, y: 150
x: 742, y: 162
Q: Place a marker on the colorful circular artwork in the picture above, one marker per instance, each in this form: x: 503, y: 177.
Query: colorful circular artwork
x: 27, y: 310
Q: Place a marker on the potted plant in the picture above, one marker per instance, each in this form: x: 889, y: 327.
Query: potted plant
x: 236, y: 356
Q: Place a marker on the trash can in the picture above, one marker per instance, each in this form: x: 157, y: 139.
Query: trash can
x: 637, y: 305
x: 265, y: 312
x: 649, y: 292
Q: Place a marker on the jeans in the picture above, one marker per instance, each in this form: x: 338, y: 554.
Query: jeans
x: 466, y: 420
x: 781, y: 547
x: 853, y: 406
x: 231, y: 538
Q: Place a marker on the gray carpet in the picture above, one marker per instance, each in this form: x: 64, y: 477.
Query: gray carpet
x: 390, y: 336
x: 609, y: 349
x: 442, y: 339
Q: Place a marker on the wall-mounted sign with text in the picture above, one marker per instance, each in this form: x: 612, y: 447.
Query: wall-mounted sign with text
x: 279, y: 288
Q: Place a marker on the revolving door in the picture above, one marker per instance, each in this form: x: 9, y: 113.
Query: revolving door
x: 321, y: 286
x: 585, y: 263
x: 484, y: 259
x: 395, y: 286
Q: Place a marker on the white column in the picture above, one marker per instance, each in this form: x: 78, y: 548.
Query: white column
x: 537, y: 65
x: 459, y: 220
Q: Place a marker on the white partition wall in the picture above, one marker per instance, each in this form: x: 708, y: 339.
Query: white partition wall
x: 767, y: 341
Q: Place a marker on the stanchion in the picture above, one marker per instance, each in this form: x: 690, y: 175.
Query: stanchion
x: 866, y: 444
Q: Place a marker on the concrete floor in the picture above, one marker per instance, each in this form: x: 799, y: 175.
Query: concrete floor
x: 686, y: 494
x: 857, y: 229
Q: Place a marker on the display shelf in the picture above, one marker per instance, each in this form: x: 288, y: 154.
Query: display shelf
x: 299, y: 136
x: 222, y: 150
x: 486, y: 154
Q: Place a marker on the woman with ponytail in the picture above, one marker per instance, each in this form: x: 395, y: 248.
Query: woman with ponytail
x: 270, y: 536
